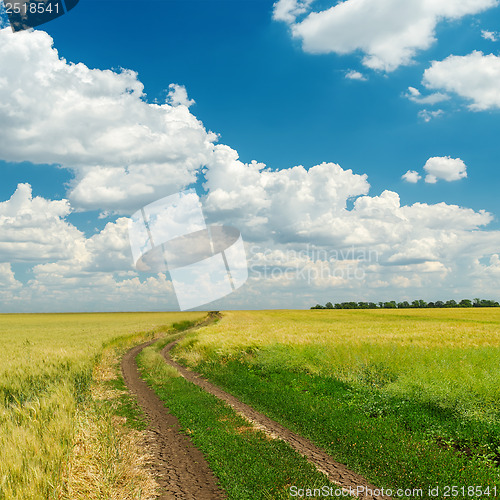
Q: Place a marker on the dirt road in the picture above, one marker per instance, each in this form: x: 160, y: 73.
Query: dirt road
x: 181, y: 469
x: 337, y: 473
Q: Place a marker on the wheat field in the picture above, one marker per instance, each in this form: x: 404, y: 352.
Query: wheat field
x: 46, y: 371
x: 445, y: 356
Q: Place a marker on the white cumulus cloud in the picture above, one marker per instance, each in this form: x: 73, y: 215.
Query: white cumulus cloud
x: 288, y: 10
x: 284, y: 203
x: 7, y: 279
x: 474, y: 77
x: 415, y: 95
x: 124, y: 151
x: 444, y: 168
x: 177, y: 95
x: 411, y: 176
x: 298, y: 205
x: 388, y: 32
x: 355, y: 75
x: 492, y: 36
x: 33, y: 229
x: 428, y: 115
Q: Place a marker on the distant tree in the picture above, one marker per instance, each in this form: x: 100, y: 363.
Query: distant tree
x: 419, y: 303
x: 485, y: 303
x: 390, y: 305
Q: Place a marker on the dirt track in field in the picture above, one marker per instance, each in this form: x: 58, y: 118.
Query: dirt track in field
x: 336, y: 472
x: 181, y: 469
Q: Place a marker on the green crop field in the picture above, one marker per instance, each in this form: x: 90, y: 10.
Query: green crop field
x: 47, y: 363
x: 409, y: 398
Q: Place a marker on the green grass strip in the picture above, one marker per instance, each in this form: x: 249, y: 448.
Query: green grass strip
x: 249, y: 465
x: 395, y: 443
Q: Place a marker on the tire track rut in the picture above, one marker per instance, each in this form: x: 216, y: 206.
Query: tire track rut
x: 336, y: 472
x: 180, y: 468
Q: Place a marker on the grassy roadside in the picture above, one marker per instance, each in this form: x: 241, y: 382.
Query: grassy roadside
x: 389, y: 440
x: 248, y: 464
x: 108, y: 457
x: 407, y: 401
x: 55, y: 417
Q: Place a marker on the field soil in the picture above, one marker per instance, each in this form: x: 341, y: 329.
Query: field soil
x: 180, y: 468
x: 336, y: 472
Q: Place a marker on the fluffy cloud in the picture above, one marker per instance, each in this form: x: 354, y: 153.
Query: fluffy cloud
x: 388, y: 32
x: 355, y: 75
x: 54, y: 288
x: 70, y: 271
x: 126, y: 152
x: 298, y: 206
x: 492, y: 36
x: 474, y: 77
x: 285, y: 203
x: 123, y: 151
x: 424, y: 249
x: 414, y: 95
x: 445, y: 168
x: 427, y: 115
x: 7, y: 278
x: 33, y: 229
x: 288, y: 10
x: 316, y: 243
x: 411, y: 176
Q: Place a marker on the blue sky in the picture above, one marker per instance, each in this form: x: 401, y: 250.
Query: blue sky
x: 273, y: 83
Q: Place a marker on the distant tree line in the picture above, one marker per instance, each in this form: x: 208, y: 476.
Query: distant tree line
x: 416, y: 304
